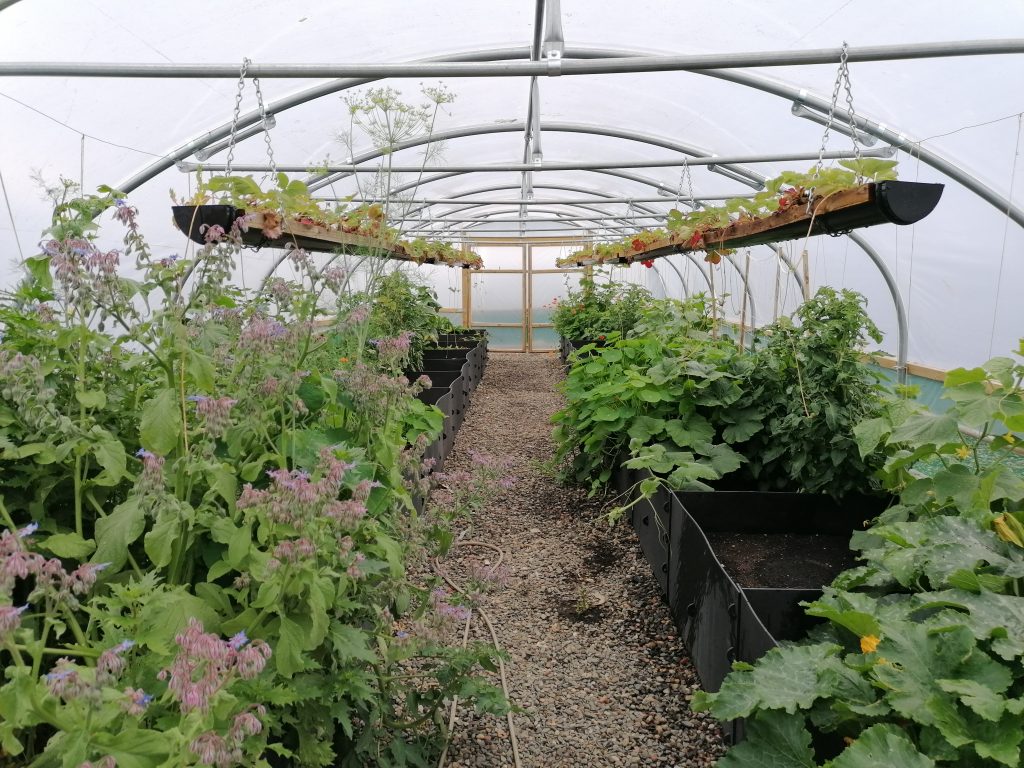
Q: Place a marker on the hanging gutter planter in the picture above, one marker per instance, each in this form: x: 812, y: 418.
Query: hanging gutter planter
x: 195, y: 220
x: 884, y: 202
x: 867, y: 205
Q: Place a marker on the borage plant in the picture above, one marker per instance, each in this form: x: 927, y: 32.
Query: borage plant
x: 132, y: 413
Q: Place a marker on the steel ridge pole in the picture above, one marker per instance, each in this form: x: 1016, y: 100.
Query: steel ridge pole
x: 747, y: 79
x: 594, y: 165
x: 545, y: 68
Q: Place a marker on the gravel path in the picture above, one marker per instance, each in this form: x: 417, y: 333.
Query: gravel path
x: 594, y: 660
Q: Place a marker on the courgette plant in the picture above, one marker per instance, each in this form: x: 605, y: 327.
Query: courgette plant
x: 694, y: 409
x: 919, y: 660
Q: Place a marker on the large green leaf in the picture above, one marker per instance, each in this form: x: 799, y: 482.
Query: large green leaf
x: 134, y: 747
x: 116, y: 532
x: 223, y: 481
x: 305, y: 446
x: 999, y: 741
x: 926, y: 427
x: 643, y: 428
x: 985, y: 702
x: 292, y: 641
x: 743, y: 424
x: 999, y: 618
x: 786, y: 678
x: 882, y: 745
x: 870, y: 433
x: 159, y: 541
x: 608, y: 413
x: 690, y: 432
x: 166, y: 613
x: 160, y: 423
x: 722, y: 458
x: 69, y: 545
x: 975, y: 405
x: 774, y: 740
x: 937, y: 548
x: 110, y: 454
x: 960, y: 376
x: 39, y: 268
x: 849, y: 610
x: 915, y: 656
x: 201, y: 371
x: 959, y: 484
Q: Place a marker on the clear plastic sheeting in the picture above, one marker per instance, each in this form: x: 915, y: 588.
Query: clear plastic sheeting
x: 957, y: 270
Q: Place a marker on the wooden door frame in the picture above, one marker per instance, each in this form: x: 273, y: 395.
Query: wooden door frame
x: 526, y: 273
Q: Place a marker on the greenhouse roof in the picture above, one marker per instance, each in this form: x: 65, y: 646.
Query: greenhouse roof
x: 577, y: 110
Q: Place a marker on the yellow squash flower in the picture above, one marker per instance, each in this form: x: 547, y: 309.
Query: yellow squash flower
x: 868, y: 644
x: 1009, y: 528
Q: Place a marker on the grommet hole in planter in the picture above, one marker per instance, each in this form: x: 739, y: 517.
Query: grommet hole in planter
x: 691, y: 610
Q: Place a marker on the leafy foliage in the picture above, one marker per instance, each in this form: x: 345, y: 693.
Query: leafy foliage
x: 192, y: 475
x: 692, y: 408
x: 810, y: 389
x: 920, y: 660
x: 646, y: 396
x: 398, y: 304
x: 596, y: 310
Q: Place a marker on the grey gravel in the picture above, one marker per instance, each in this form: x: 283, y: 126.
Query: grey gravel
x: 604, y: 685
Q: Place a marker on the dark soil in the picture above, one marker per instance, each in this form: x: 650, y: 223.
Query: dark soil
x: 782, y: 560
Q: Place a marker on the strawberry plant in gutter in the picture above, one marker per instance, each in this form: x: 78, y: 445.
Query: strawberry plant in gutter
x: 693, y: 230
x: 287, y: 212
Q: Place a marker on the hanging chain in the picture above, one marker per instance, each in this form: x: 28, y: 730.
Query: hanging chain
x: 852, y: 116
x: 842, y: 81
x: 631, y: 213
x: 266, y: 128
x: 234, y: 119
x: 237, y: 116
x: 684, y: 175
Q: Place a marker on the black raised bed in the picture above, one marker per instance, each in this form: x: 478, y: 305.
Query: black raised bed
x: 454, y: 381
x: 651, y: 521
x: 702, y: 590
x: 437, y: 363
x: 726, y: 616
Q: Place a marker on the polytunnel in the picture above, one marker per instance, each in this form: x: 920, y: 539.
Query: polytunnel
x: 238, y: 526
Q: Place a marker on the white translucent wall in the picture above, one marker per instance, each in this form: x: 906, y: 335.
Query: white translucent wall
x: 957, y: 269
